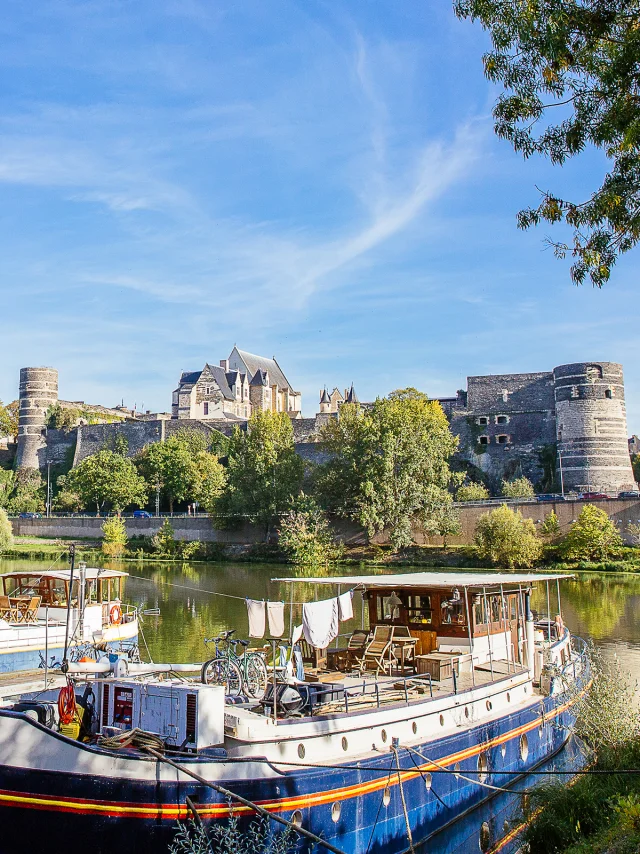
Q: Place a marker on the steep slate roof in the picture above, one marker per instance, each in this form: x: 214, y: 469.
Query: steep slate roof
x: 190, y: 377
x: 324, y: 397
x: 259, y: 378
x: 220, y: 377
x: 261, y: 363
x: 352, y: 397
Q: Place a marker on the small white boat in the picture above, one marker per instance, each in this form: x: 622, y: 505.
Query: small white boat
x: 33, y: 615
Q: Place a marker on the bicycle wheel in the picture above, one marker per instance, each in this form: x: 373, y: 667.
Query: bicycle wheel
x: 256, y: 675
x: 221, y: 671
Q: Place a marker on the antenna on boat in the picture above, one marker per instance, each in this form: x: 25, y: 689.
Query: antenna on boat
x: 72, y: 557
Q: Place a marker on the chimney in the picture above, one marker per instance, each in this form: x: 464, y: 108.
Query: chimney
x: 346, y: 393
x: 224, y: 364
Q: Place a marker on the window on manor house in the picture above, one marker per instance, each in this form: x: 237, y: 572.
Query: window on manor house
x: 502, y: 440
x: 483, y: 440
x: 484, y: 419
x: 206, y: 409
x: 502, y: 419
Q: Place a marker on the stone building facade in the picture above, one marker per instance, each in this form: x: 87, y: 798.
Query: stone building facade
x: 569, y: 422
x: 235, y: 389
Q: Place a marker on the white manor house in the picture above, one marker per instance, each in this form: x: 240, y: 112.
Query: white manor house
x: 235, y: 389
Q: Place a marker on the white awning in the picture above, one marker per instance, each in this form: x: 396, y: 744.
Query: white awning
x: 91, y: 573
x: 432, y: 579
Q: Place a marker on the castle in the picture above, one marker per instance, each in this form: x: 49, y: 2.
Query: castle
x: 235, y: 389
x: 566, y: 425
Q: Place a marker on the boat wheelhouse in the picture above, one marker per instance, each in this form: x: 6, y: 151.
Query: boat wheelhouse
x: 394, y: 739
x: 33, y: 614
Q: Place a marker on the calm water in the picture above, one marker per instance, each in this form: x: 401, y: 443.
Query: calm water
x: 605, y: 607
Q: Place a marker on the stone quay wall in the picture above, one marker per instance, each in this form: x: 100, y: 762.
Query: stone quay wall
x: 622, y: 511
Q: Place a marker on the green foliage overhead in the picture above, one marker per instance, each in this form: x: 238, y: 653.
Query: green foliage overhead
x: 106, y: 478
x: 114, y: 536
x: 388, y: 467
x: 9, y: 419
x: 184, y: 469
x: 6, y: 534
x: 264, y: 473
x: 521, y: 487
x: 593, y: 536
x: 570, y: 71
x: 504, y: 538
x: 305, y: 536
x: 472, y: 492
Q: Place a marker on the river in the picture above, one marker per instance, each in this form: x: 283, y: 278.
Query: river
x: 199, y: 600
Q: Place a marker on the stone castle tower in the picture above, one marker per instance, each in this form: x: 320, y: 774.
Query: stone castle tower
x: 591, y: 427
x: 38, y: 391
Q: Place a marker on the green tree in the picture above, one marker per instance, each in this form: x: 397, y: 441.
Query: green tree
x: 6, y: 533
x: 581, y: 58
x: 264, y: 473
x: 184, y: 469
x: 593, y: 536
x: 106, y: 478
x: 114, y: 536
x: 388, y: 466
x: 9, y: 419
x: 550, y: 527
x: 505, y: 538
x: 7, y: 481
x: 28, y: 494
x: 472, y: 492
x: 635, y: 465
x: 164, y: 541
x: 305, y: 535
x: 521, y: 487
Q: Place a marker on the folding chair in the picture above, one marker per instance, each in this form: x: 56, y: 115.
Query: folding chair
x: 378, y: 650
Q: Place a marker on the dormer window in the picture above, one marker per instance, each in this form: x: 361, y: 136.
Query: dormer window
x: 505, y: 395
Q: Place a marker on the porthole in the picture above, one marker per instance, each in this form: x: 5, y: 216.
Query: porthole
x: 414, y: 728
x: 383, y: 736
x: 466, y: 711
x: 503, y: 750
x: 524, y: 747
x: 483, y: 767
x: 296, y: 818
x: 301, y: 751
x: 456, y: 770
x: 345, y: 743
x: 441, y: 720
x: 508, y: 697
x: 336, y: 809
x: 485, y: 836
x: 427, y: 780
x: 489, y: 705
x: 386, y: 796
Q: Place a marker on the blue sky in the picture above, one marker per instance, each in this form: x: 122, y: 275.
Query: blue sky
x: 317, y: 181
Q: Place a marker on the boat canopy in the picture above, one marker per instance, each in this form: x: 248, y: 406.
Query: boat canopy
x: 65, y: 574
x: 435, y: 580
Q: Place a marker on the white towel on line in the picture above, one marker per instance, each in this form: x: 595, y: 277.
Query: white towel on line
x: 320, y: 622
x: 345, y: 606
x: 256, y: 614
x: 297, y: 634
x: 275, y: 613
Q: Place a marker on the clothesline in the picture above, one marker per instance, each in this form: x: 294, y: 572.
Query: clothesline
x: 215, y: 592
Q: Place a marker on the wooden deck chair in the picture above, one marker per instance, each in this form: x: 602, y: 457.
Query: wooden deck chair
x: 5, y: 608
x: 31, y: 613
x: 377, y: 652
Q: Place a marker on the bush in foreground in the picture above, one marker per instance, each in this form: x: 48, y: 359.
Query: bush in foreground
x: 114, y: 536
x: 504, y: 538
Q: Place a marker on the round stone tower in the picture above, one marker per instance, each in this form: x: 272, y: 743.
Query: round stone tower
x: 591, y: 427
x: 38, y: 391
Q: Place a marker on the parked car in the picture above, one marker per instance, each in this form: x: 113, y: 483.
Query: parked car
x: 141, y: 514
x: 30, y: 516
x: 592, y: 496
x: 630, y: 493
x: 550, y: 496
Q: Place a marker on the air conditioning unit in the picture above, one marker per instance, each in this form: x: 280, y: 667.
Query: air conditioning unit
x: 187, y: 716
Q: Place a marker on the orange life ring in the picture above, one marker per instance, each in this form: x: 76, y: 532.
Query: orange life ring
x: 115, y: 615
x: 67, y: 703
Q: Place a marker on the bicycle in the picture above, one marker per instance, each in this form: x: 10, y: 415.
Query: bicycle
x: 235, y: 672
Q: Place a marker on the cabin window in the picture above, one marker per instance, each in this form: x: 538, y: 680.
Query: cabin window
x: 419, y: 609
x: 451, y: 612
x: 388, y: 607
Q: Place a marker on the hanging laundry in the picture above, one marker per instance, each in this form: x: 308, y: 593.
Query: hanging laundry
x: 297, y: 634
x: 320, y: 622
x: 345, y: 606
x: 256, y: 614
x: 275, y: 613
x: 298, y: 664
